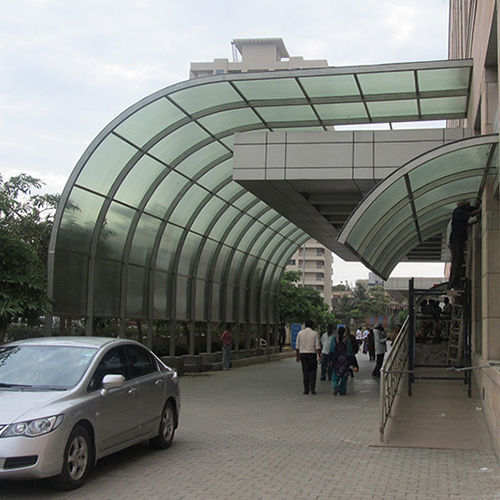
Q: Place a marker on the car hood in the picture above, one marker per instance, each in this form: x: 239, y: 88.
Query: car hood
x: 15, y: 404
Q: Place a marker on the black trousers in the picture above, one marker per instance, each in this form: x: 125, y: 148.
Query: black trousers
x: 378, y: 365
x: 457, y: 264
x: 309, y: 368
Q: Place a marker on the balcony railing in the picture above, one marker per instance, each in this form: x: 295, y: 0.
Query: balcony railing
x: 395, y: 366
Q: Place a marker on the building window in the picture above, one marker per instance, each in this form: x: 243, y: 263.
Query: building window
x: 320, y: 276
x: 292, y: 262
x: 320, y: 264
x: 319, y: 288
x: 320, y: 251
x: 219, y: 71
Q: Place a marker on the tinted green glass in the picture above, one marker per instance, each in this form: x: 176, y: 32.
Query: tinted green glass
x: 202, y: 97
x: 224, y: 221
x: 443, y: 79
x: 166, y: 193
x: 107, y: 291
x: 138, y: 181
x: 195, y: 162
x: 160, y: 299
x: 287, y: 113
x: 279, y: 88
x: 330, y: 86
x: 188, y: 205
x: 221, y: 263
x: 229, y: 120
x: 206, y: 214
x: 179, y: 141
x: 149, y: 121
x: 238, y: 229
x: 114, y: 231
x: 181, y: 298
x: 205, y: 258
x: 393, y: 108
x: 136, y: 292
x: 107, y: 161
x: 393, y: 82
x: 341, y: 111
x: 443, y: 105
x: 168, y: 246
x: 188, y: 252
x: 78, y: 220
x: 143, y: 240
x: 216, y: 175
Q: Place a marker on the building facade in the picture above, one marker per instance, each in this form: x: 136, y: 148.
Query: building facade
x: 314, y: 261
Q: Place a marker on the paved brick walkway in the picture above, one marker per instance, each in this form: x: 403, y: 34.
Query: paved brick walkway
x: 251, y: 434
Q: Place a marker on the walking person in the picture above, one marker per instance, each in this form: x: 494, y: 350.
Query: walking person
x: 227, y: 342
x: 341, y: 359
x: 371, y: 344
x: 380, y: 339
x: 308, y: 349
x: 325, y: 349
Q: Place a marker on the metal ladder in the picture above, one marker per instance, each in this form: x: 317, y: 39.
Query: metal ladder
x: 455, y: 342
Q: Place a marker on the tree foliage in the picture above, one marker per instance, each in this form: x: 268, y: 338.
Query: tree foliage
x: 364, y: 302
x: 25, y: 225
x: 296, y: 303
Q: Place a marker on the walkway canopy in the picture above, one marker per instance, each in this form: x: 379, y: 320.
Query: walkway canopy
x: 415, y: 202
x: 151, y: 224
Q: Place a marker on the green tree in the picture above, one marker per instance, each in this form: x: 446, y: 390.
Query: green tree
x: 25, y: 224
x: 296, y: 304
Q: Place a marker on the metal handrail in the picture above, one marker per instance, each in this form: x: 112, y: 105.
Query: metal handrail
x: 391, y: 373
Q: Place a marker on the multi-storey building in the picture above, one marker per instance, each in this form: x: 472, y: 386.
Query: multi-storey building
x: 314, y: 261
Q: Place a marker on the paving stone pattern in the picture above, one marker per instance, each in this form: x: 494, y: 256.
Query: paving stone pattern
x: 250, y: 433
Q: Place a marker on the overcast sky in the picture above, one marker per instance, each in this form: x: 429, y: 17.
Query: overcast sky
x: 68, y: 67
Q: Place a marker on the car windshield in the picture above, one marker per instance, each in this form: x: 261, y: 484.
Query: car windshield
x: 38, y: 367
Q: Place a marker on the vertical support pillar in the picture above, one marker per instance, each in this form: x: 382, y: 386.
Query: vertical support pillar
x: 149, y: 335
x: 209, y: 337
x: 411, y: 333
x: 490, y: 273
x: 172, y: 327
x: 192, y: 337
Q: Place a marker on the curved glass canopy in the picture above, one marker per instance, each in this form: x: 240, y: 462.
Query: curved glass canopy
x: 151, y: 224
x: 415, y: 203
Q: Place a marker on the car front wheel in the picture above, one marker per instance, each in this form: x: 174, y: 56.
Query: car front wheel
x: 167, y: 428
x: 77, y: 460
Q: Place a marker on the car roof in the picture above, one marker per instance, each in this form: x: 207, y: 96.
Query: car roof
x: 94, y: 342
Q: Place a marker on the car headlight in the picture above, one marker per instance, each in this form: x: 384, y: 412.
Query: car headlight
x: 33, y: 428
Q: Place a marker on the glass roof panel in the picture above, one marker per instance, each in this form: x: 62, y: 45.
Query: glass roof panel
x: 230, y: 190
x: 341, y: 111
x: 382, y: 234
x: 443, y: 105
x: 114, y: 231
x: 278, y: 88
x: 179, y: 141
x: 139, y: 180
x: 330, y: 86
x: 395, y: 82
x: 143, y: 240
x: 229, y: 120
x: 187, y: 205
x: 195, y: 99
x: 165, y: 193
x: 168, y: 246
x: 449, y: 165
x: 390, y: 197
x: 287, y: 113
x: 223, y: 222
x: 393, y: 108
x: 194, y: 163
x: 461, y: 188
x: 244, y: 200
x: 237, y: 229
x: 205, y: 216
x: 79, y: 219
x: 107, y: 161
x: 443, y: 79
x: 257, y: 209
x: 149, y: 121
x: 216, y: 175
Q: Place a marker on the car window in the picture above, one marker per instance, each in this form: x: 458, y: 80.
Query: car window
x: 140, y: 361
x: 113, y: 363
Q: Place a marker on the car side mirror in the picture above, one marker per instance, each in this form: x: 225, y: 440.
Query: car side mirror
x: 111, y: 381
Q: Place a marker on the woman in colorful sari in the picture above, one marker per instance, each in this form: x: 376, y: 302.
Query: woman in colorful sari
x: 340, y: 357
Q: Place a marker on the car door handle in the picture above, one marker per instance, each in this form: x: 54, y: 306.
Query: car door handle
x: 159, y: 382
x: 132, y: 390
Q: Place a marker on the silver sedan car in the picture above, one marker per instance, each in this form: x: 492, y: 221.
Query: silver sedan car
x: 65, y: 402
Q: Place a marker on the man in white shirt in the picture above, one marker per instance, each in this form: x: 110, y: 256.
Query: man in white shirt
x: 308, y: 352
